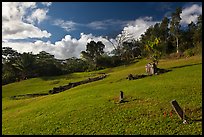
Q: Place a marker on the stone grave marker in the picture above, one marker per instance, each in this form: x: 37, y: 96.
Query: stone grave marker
x: 121, y: 96
x: 178, y: 109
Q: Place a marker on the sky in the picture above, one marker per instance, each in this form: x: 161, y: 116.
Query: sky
x: 64, y: 28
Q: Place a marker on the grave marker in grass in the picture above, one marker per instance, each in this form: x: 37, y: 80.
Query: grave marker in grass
x: 121, y: 97
x: 178, y: 110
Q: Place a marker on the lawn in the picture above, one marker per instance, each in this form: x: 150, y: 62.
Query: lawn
x: 94, y: 108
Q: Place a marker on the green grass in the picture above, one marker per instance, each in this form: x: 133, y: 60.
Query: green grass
x: 93, y: 108
x: 43, y: 84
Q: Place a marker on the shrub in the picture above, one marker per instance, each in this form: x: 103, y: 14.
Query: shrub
x: 198, y: 48
x: 189, y: 53
x: 176, y: 55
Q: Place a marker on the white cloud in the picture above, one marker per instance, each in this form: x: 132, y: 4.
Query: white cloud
x: 47, y: 3
x: 97, y: 25
x: 70, y: 25
x: 72, y: 47
x: 66, y: 48
x: 21, y: 30
x: 38, y: 15
x: 136, y: 28
x: 190, y: 13
x: 67, y: 25
x: 15, y: 10
x: 104, y: 24
x: 14, y: 26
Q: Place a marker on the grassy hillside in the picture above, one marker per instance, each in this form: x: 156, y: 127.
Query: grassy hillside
x: 93, y: 108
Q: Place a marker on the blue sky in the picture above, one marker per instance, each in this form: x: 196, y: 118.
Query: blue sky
x: 64, y: 28
x: 87, y: 12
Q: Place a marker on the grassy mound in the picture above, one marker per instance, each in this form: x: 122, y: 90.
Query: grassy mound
x: 93, y: 108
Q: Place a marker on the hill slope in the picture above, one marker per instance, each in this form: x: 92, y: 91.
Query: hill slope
x: 93, y: 108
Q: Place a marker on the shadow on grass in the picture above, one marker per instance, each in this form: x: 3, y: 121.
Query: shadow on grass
x: 185, y: 65
x: 57, y: 77
x: 52, y: 77
x: 159, y: 71
x: 17, y: 97
x: 123, y: 101
x: 197, y: 120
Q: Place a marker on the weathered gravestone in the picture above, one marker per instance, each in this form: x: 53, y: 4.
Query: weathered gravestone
x: 147, y: 68
x: 151, y: 68
x: 121, y: 96
x: 178, y: 110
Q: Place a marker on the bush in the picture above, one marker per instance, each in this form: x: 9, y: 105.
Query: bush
x: 175, y: 55
x: 189, y: 53
x: 198, y: 48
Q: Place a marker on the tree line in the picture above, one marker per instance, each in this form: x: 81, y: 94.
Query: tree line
x: 164, y: 39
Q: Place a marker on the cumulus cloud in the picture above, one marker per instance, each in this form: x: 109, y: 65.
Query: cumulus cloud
x: 65, y: 48
x: 14, y: 26
x: 21, y: 30
x: 38, y: 15
x: 190, y: 13
x: 136, y: 28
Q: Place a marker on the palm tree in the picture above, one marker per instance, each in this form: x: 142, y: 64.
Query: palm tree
x: 25, y: 65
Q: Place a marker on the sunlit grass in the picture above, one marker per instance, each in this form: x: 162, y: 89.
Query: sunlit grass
x: 93, y: 108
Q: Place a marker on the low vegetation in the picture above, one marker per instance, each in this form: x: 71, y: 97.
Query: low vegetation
x: 94, y: 108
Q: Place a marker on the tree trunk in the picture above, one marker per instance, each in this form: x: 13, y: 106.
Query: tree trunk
x: 177, y: 51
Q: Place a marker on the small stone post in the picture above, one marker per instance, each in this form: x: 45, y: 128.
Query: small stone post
x: 121, y: 96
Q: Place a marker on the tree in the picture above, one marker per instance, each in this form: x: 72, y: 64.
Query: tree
x: 47, y: 65
x: 130, y: 50
x: 93, y: 52
x: 9, y: 55
x: 197, y: 38
x: 9, y: 73
x: 25, y: 65
x: 147, y: 36
x: 175, y: 26
x: 124, y: 37
x: 164, y: 34
x: 74, y: 65
x: 154, y: 50
x: 187, y: 36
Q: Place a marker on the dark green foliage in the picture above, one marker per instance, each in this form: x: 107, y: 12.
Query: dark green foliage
x: 47, y: 65
x: 189, y: 53
x: 25, y: 65
x: 74, y: 65
x: 93, y: 52
x: 109, y: 61
x: 130, y: 50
